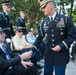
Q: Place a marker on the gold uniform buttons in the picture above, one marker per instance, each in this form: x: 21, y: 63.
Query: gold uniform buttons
x: 52, y: 30
x: 53, y: 44
x: 60, y: 29
x: 53, y: 40
x: 52, y: 34
x: 61, y: 33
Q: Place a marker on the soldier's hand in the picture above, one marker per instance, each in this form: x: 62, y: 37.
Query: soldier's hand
x: 26, y: 55
x: 56, y: 48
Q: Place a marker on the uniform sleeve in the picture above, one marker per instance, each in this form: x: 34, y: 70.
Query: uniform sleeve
x: 39, y: 38
x: 1, y: 20
x: 71, y: 34
x: 12, y: 30
x: 0, y: 17
x: 18, y: 22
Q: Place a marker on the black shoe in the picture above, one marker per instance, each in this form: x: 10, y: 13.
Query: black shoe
x: 73, y: 58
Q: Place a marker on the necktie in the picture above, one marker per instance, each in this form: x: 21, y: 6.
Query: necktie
x: 7, y: 55
x: 51, y: 19
x: 6, y: 52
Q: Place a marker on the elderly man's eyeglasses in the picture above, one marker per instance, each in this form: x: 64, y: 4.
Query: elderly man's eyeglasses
x: 20, y: 31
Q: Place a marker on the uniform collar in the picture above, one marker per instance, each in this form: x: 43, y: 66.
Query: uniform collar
x: 22, y: 17
x: 6, y: 13
x: 52, y: 16
x: 1, y: 45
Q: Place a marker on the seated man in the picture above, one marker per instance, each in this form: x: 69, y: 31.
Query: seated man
x: 19, y: 40
x: 30, y: 37
x: 20, y: 43
x: 11, y: 64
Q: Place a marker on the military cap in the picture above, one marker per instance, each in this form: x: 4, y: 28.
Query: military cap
x: 23, y: 11
x: 19, y: 28
x: 43, y: 2
x: 30, y: 30
x: 5, y: 2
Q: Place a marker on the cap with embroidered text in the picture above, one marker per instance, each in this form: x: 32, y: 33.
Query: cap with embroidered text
x: 43, y: 3
x: 19, y: 28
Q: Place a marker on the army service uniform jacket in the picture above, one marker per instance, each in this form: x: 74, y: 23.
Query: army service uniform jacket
x: 60, y: 32
x: 6, y: 23
x: 21, y: 23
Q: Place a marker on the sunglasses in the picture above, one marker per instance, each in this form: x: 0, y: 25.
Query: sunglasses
x: 20, y: 31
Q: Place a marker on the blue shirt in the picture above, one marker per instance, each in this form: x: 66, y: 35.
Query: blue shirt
x: 30, y: 38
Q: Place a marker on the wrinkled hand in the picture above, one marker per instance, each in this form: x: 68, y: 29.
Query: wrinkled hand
x: 56, y: 48
x: 26, y: 55
x: 25, y: 64
x: 30, y: 46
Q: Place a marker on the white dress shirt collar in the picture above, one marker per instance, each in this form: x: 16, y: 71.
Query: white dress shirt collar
x: 1, y: 45
x: 6, y: 13
x: 52, y: 16
x: 22, y: 17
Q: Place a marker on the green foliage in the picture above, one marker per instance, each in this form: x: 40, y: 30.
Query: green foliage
x: 33, y: 14
x: 31, y: 7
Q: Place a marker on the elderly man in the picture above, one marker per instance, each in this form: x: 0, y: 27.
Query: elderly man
x: 19, y: 40
x: 21, y: 44
x: 11, y: 64
x: 59, y: 32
